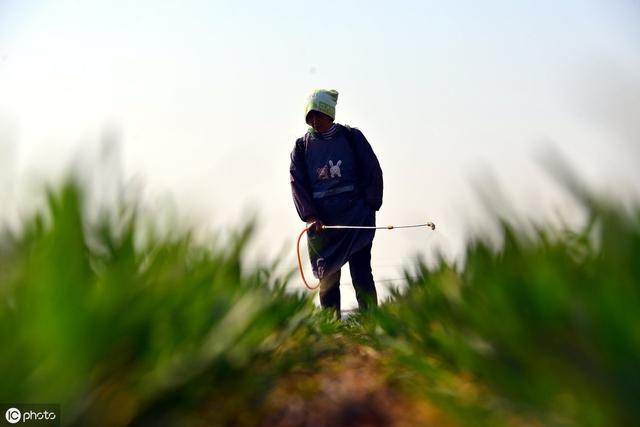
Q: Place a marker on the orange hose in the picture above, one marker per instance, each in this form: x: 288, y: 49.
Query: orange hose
x: 311, y: 288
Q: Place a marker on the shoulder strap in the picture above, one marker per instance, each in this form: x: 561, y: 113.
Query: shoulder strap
x: 301, y: 145
x: 350, y: 137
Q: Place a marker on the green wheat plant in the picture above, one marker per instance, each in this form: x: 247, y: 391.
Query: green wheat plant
x: 543, y: 331
x: 114, y: 330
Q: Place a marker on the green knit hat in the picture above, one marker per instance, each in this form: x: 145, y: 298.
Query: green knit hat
x: 322, y: 100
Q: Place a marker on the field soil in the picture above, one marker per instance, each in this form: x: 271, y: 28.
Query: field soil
x: 352, y: 388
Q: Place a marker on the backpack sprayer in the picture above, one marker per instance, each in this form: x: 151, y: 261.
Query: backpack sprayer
x: 431, y: 225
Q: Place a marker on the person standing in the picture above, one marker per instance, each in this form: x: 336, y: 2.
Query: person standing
x: 336, y: 179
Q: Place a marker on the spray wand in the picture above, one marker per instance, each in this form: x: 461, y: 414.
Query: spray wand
x: 430, y: 225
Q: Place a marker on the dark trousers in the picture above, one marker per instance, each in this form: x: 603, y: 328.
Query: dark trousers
x: 362, y: 278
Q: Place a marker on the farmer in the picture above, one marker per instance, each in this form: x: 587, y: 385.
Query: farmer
x: 336, y: 180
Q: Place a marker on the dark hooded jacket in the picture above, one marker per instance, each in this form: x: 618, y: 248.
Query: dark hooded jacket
x: 337, y: 180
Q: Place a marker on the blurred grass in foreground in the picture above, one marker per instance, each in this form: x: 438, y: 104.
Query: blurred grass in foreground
x: 544, y: 331
x: 117, y: 331
x: 121, y: 326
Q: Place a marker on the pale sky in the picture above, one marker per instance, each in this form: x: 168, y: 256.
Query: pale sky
x: 208, y: 96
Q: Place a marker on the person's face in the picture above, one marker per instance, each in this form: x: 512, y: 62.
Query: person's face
x: 320, y: 122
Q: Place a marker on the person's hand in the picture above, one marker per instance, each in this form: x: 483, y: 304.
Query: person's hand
x: 315, y: 225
